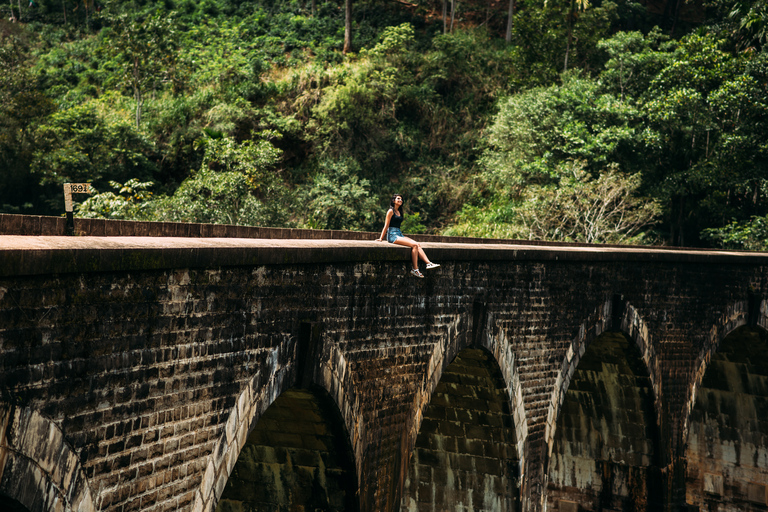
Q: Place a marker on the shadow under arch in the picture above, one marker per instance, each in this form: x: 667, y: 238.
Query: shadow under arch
x: 10, y: 505
x: 735, y: 316
x: 726, y: 449
x: 613, y: 315
x: 603, y: 443
x: 442, y: 356
x: 263, y: 389
x: 465, y: 455
x: 297, y: 457
x: 38, y: 468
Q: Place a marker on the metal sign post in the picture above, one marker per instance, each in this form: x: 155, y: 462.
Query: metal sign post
x: 69, y: 189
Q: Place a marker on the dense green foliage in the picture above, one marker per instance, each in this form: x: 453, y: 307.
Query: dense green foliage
x: 598, y: 122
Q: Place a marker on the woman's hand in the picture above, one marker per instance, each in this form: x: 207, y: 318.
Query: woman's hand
x: 378, y: 239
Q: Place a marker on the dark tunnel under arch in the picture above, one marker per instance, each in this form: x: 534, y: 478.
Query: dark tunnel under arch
x: 727, y: 445
x: 605, y: 453
x: 465, y: 457
x: 298, y: 457
x: 8, y: 504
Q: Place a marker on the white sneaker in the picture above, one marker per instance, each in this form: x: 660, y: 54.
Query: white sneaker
x: 432, y: 265
x: 417, y: 273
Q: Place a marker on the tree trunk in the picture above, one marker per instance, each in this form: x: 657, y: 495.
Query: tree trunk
x: 314, y: 7
x: 570, y: 35
x: 677, y: 221
x: 674, y: 19
x: 347, y: 26
x: 137, y: 95
x: 445, y: 16
x: 453, y: 13
x: 680, y: 222
x: 137, y: 92
x: 64, y: 8
x: 510, y: 15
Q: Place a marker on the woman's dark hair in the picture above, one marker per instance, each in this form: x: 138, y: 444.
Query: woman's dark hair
x: 392, y: 201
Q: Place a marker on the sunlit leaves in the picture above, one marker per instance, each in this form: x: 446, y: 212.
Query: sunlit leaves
x: 634, y: 61
x: 237, y: 184
x: 79, y: 145
x: 336, y: 198
x: 536, y: 130
x: 255, y: 159
x: 751, y: 235
x: 148, y: 50
x: 131, y: 200
x: 577, y: 208
x: 752, y: 19
x: 582, y: 208
x: 709, y: 110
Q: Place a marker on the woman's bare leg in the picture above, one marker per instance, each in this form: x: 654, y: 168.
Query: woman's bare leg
x: 416, y: 250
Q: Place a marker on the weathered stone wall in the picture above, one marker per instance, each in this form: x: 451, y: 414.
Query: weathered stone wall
x: 727, y: 456
x: 606, y: 440
x: 139, y: 372
x: 39, y: 470
x: 155, y: 362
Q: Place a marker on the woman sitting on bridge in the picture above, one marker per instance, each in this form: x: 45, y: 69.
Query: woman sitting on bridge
x: 393, y: 234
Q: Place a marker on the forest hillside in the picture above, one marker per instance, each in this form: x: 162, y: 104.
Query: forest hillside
x: 606, y: 121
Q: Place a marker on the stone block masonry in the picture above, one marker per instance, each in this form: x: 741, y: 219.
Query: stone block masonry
x: 148, y: 361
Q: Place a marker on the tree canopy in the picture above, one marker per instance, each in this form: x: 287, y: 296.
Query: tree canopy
x: 583, y: 121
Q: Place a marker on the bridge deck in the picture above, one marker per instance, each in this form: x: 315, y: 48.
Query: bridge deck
x: 31, y: 255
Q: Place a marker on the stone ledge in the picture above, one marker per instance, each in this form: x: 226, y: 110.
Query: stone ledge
x: 37, y: 225
x: 37, y: 255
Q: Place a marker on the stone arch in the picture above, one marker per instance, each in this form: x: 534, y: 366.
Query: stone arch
x: 262, y: 390
x: 39, y: 470
x: 608, y: 456
x: 725, y: 432
x: 332, y: 376
x: 736, y: 315
x: 502, y: 352
x: 613, y: 315
x: 296, y: 457
x: 257, y: 396
x: 444, y: 353
x: 465, y: 453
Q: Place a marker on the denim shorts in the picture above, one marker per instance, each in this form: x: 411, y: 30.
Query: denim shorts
x: 393, y: 234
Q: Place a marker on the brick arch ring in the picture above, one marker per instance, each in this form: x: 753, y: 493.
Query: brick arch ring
x: 262, y: 390
x: 38, y: 468
x: 442, y: 355
x: 736, y: 315
x: 614, y: 314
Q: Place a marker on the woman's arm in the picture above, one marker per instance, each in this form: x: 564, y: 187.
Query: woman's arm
x: 386, y: 225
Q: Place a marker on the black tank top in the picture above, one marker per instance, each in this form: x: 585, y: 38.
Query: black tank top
x: 396, y: 220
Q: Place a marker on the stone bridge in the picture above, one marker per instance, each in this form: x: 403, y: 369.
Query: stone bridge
x: 236, y: 370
